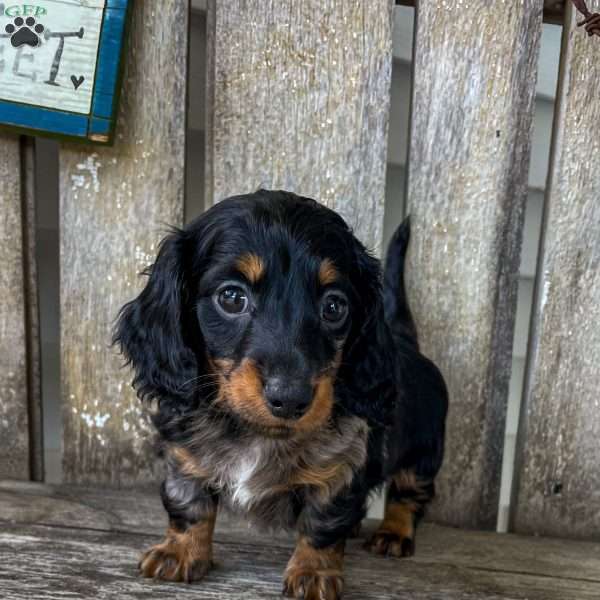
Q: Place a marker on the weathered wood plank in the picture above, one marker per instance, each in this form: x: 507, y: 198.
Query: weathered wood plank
x: 558, y: 474
x: 134, y: 512
x: 14, y: 419
x: 299, y: 99
x: 554, y: 10
x: 75, y: 563
x: 115, y: 204
x: 21, y: 450
x: 474, y: 87
x: 32, y: 318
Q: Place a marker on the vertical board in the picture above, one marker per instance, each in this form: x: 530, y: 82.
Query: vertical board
x: 299, y: 100
x: 14, y: 418
x: 21, y: 446
x: 473, y: 98
x: 115, y: 206
x: 32, y: 316
x: 557, y: 478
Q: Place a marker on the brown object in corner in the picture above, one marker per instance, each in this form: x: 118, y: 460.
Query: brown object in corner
x: 591, y: 21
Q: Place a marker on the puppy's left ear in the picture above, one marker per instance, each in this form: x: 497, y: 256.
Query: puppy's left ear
x: 367, y: 384
x: 150, y: 328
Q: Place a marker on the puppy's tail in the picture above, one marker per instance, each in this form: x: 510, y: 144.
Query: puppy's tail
x: 397, y: 311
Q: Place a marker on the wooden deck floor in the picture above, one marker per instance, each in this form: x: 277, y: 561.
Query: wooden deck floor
x: 67, y: 543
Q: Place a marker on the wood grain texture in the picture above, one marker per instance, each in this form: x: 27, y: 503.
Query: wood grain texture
x: 470, y: 145
x: 299, y: 100
x: 115, y: 206
x: 32, y: 317
x: 14, y: 418
x: 554, y: 10
x: 558, y: 474
x: 92, y: 539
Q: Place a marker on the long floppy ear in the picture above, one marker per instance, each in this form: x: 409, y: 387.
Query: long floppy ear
x: 149, y: 329
x: 367, y: 372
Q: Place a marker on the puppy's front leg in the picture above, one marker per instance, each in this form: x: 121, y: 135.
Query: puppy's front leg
x: 315, y: 573
x: 186, y: 552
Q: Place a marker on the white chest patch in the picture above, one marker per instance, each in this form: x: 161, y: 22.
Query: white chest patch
x: 264, y: 478
x: 240, y: 478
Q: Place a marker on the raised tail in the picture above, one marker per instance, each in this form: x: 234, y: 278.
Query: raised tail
x: 397, y: 311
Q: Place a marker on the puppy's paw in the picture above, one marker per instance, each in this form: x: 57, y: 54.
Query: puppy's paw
x: 167, y: 562
x: 311, y: 584
x: 387, y: 543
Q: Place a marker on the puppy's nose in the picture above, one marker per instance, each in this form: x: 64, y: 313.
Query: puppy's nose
x: 287, y: 399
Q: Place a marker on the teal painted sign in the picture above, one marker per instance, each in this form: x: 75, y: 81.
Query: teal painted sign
x: 60, y: 62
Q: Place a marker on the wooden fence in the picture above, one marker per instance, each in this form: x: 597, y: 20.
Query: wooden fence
x: 298, y: 97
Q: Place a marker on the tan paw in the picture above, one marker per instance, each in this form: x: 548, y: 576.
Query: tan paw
x: 165, y: 562
x: 387, y: 543
x: 313, y: 585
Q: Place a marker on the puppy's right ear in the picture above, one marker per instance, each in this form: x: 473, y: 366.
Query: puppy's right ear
x: 149, y: 329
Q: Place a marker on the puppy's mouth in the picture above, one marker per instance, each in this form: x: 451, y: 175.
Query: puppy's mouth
x: 241, y: 394
x: 262, y: 424
x: 274, y: 432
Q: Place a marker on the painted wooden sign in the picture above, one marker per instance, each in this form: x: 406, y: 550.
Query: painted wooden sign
x: 60, y: 64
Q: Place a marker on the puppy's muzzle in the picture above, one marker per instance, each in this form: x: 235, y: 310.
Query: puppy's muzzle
x: 287, y: 399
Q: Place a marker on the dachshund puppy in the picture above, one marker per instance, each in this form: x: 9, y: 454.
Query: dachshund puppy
x: 286, y: 385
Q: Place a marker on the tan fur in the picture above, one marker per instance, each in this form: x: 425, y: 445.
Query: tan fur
x: 260, y: 472
x: 186, y: 462
x: 399, y: 518
x: 317, y: 476
x: 408, y: 480
x: 251, y: 266
x: 395, y: 535
x: 183, y: 556
x: 259, y: 476
x: 315, y: 574
x: 328, y: 274
x: 405, y: 480
x: 242, y: 390
x: 326, y: 480
x: 320, y: 410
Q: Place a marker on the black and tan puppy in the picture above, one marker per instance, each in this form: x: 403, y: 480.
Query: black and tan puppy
x: 286, y: 385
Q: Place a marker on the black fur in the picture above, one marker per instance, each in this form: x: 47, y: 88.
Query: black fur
x: 172, y: 331
x: 420, y: 412
x: 397, y: 311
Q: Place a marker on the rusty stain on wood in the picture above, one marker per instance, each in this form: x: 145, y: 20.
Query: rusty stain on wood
x: 471, y: 134
x: 557, y: 484
x: 115, y: 206
x: 299, y: 98
x: 14, y: 418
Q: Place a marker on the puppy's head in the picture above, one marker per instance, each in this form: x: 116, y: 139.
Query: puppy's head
x: 266, y: 308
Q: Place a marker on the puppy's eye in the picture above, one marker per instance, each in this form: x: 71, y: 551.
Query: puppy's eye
x: 233, y: 300
x: 334, y: 309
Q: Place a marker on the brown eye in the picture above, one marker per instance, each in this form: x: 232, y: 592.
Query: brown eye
x: 334, y: 309
x: 233, y: 300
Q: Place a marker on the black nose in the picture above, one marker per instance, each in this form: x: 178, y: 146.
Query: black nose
x: 287, y: 400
